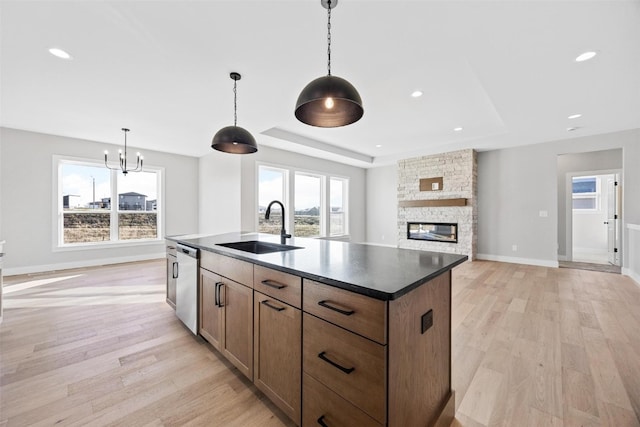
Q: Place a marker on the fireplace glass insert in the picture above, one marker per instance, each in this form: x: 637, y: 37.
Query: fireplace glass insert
x: 433, y: 231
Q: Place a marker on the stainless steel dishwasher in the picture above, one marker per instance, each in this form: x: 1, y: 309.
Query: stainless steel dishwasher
x: 187, y: 287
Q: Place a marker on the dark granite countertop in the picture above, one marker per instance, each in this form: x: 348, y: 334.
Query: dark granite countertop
x: 380, y: 272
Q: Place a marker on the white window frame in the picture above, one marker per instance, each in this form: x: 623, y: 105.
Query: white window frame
x: 289, y: 203
x: 323, y: 198
x: 57, y: 208
x: 285, y: 191
x: 345, y: 204
x: 597, y: 196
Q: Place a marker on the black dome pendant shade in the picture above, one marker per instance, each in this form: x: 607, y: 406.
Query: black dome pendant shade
x: 234, y: 139
x: 329, y: 101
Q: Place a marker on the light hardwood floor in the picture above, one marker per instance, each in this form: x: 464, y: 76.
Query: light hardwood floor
x: 531, y: 346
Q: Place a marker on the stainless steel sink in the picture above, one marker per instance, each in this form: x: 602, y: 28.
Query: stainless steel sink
x: 258, y: 247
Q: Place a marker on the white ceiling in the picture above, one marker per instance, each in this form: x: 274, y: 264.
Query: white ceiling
x: 502, y: 70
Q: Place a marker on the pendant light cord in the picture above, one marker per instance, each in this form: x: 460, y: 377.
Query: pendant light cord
x: 329, y: 39
x: 235, y: 104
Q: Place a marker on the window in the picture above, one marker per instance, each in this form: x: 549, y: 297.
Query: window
x: 86, y: 206
x: 271, y: 186
x: 137, y: 206
x: 317, y: 207
x: 586, y: 193
x: 307, y: 205
x: 88, y: 212
x: 338, y: 206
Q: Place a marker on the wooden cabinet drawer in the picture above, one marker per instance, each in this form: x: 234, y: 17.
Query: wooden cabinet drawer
x: 323, y: 405
x: 231, y: 268
x: 358, y: 313
x: 279, y: 285
x: 352, y: 366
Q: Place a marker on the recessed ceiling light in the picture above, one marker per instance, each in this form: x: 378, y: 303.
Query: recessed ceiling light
x: 571, y: 129
x: 458, y: 129
x: 574, y: 116
x: 378, y: 145
x: 417, y: 94
x: 586, y: 56
x: 59, y: 53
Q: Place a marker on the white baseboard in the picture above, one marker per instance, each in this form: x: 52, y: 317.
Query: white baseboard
x: 79, y: 264
x: 515, y: 260
x: 635, y: 276
x: 379, y: 244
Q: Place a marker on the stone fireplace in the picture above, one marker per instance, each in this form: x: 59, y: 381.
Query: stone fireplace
x: 439, y: 192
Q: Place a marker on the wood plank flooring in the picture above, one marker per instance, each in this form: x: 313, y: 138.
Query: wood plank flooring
x: 537, y: 346
x: 532, y: 346
x: 100, y: 347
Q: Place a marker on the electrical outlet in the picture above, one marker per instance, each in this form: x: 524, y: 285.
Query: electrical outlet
x: 544, y: 214
x: 514, y: 248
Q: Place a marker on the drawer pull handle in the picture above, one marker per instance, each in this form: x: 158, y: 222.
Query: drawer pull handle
x: 266, y: 302
x: 321, y: 421
x: 330, y: 307
x: 273, y: 284
x: 218, y: 301
x: 332, y: 363
x: 174, y: 270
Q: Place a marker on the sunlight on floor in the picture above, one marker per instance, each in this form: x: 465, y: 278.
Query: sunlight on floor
x: 35, y: 283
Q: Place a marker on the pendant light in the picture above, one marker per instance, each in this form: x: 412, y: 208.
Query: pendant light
x: 329, y: 101
x: 234, y: 139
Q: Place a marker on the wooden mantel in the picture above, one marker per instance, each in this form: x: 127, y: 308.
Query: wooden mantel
x: 432, y: 203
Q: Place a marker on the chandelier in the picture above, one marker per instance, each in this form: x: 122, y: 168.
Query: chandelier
x: 123, y: 158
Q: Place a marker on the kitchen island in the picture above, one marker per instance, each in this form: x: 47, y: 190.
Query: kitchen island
x: 333, y: 333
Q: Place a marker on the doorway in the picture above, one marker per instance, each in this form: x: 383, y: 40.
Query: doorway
x: 594, y: 200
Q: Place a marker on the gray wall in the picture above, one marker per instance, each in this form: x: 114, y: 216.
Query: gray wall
x: 382, y: 205
x: 515, y: 184
x: 219, y: 197
x: 26, y: 172
x: 301, y: 162
x: 602, y: 160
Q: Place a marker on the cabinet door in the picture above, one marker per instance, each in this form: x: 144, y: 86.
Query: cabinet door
x: 277, y: 343
x: 237, y: 341
x: 210, y: 313
x: 172, y: 267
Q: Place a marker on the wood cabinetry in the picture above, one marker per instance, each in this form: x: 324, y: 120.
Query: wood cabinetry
x: 211, y: 315
x: 226, y: 309
x: 357, y: 373
x: 322, y: 406
x: 172, y: 274
x: 328, y: 356
x: 277, y: 353
x: 278, y: 338
x: 353, y: 366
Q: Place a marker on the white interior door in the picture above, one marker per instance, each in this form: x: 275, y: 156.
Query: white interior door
x: 613, y: 220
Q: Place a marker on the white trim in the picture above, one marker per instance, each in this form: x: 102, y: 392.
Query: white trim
x: 379, y: 244
x: 633, y: 227
x: 515, y: 260
x: 563, y: 258
x: 107, y: 244
x: 79, y: 264
x: 57, y: 244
